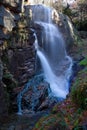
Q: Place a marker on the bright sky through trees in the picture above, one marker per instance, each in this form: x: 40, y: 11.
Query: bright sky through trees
x: 48, y: 1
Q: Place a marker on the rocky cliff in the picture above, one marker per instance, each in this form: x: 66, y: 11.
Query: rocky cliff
x: 17, y: 53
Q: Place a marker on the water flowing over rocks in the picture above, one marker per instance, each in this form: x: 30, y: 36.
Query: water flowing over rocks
x: 34, y: 96
x: 62, y: 21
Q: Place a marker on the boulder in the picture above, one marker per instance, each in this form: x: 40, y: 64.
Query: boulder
x: 14, y: 5
x: 49, y: 102
x: 6, y: 19
x: 32, y: 94
x: 35, y: 96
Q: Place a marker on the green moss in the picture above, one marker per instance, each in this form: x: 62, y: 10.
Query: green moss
x: 79, y: 90
x: 54, y: 110
x: 83, y: 62
x: 67, y: 11
x: 51, y: 122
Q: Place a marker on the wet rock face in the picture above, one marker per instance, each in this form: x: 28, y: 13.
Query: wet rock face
x: 22, y: 63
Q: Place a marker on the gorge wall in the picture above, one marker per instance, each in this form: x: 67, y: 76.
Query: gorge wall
x: 17, y: 53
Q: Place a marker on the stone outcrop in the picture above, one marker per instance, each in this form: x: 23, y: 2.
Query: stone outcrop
x: 14, y: 5
x: 67, y: 29
x: 22, y: 63
x: 9, y: 16
x: 6, y: 19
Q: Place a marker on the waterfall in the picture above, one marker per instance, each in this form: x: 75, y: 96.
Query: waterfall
x: 56, y: 64
x: 59, y: 84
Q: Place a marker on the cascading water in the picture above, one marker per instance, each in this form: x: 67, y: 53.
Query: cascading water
x: 56, y: 65
x: 59, y: 83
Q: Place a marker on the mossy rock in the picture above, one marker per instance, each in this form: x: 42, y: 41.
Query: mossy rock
x: 79, y: 90
x: 51, y: 122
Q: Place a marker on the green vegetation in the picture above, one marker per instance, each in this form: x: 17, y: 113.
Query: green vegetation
x: 79, y: 88
x: 51, y: 122
x: 83, y: 62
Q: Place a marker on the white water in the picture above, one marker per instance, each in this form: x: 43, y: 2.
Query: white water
x: 59, y: 84
x: 56, y: 65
